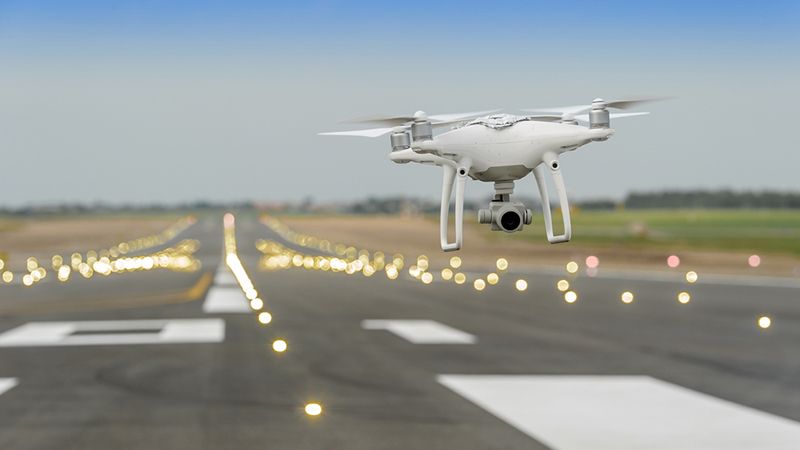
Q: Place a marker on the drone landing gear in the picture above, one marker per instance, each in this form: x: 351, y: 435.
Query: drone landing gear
x: 551, y: 161
x: 453, y: 174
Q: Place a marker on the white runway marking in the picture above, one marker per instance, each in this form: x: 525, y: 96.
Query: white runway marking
x: 622, y: 412
x: 421, y: 331
x: 113, y: 332
x: 224, y: 277
x: 225, y: 296
x: 7, y: 384
x: 225, y: 300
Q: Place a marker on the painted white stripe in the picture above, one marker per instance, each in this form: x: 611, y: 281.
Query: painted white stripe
x: 225, y: 296
x: 225, y: 300
x: 421, y: 331
x: 224, y: 277
x: 172, y: 331
x: 622, y: 412
x: 7, y: 384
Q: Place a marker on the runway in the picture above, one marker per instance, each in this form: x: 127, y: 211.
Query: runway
x: 163, y: 359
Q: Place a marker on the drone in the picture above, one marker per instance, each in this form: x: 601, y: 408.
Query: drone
x: 499, y: 148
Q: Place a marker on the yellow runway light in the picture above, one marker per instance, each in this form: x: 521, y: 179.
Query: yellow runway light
x: 279, y: 345
x: 627, y: 297
x: 501, y: 264
x: 313, y: 409
x: 572, y: 267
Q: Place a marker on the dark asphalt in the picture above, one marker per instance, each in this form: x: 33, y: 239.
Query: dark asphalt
x: 378, y: 391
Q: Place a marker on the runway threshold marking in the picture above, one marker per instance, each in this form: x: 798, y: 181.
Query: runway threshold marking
x: 225, y: 296
x: 7, y: 384
x: 616, y: 412
x: 114, y: 332
x: 421, y: 331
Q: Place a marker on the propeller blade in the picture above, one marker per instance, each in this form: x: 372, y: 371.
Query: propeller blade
x: 393, y: 121
x: 585, y: 117
x: 629, y: 103
x: 459, y: 117
x: 389, y: 121
x: 575, y: 109
x: 370, y: 132
x: 579, y: 109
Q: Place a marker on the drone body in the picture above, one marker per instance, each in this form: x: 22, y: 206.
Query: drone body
x: 499, y: 148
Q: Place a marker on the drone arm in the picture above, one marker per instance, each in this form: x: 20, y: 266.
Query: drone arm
x: 452, y: 174
x: 551, y: 161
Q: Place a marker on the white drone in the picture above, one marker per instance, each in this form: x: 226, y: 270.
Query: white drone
x: 500, y: 148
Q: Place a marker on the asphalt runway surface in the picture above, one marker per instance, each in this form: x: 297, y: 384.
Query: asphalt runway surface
x: 163, y: 359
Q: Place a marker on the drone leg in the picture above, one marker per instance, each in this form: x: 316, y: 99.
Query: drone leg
x: 449, y: 177
x: 555, y: 171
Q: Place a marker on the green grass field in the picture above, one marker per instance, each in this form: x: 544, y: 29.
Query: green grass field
x: 767, y: 231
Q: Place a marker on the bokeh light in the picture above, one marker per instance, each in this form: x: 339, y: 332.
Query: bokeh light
x: 764, y: 322
x: 279, y: 345
x: 673, y: 261
x: 691, y: 276
x: 572, y: 267
x: 754, y: 261
x: 684, y: 297
x: 455, y: 262
x: 627, y: 297
x: 502, y: 264
x: 426, y: 278
x: 592, y: 262
x: 256, y: 303
x: 313, y: 409
x: 570, y: 296
x: 521, y: 285
x: 479, y: 284
x: 265, y: 317
x: 562, y: 285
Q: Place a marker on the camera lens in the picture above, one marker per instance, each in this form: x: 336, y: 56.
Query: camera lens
x: 510, y: 220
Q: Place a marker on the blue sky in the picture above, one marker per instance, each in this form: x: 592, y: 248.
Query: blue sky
x: 231, y: 94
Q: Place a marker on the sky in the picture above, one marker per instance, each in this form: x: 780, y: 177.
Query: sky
x: 149, y: 101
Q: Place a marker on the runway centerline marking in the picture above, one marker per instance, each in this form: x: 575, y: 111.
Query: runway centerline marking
x: 7, y: 384
x: 615, y: 412
x: 421, y: 331
x: 113, y: 332
x: 225, y: 296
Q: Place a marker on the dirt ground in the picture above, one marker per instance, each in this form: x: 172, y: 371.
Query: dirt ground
x: 419, y: 235
x: 42, y: 238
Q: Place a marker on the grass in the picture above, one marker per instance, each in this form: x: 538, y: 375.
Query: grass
x: 767, y: 231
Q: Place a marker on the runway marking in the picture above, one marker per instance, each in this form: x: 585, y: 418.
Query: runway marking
x: 225, y: 296
x: 421, y: 331
x: 114, y: 332
x: 7, y: 384
x: 613, y: 412
x: 224, y: 277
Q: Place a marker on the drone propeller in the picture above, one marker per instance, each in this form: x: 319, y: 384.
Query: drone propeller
x: 597, y: 103
x: 420, y: 116
x: 390, y: 123
x: 585, y: 117
x: 572, y: 118
x: 370, y: 132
